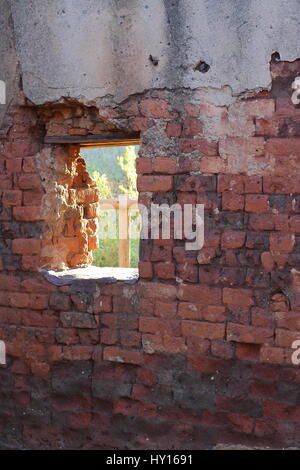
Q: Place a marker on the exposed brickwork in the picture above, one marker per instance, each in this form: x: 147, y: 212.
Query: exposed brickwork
x: 198, y: 351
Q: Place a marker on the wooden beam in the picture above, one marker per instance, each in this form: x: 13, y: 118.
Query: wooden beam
x: 124, y: 240
x: 115, y: 139
x: 110, y: 204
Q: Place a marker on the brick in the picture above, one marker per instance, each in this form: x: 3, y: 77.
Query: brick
x: 281, y: 412
x: 242, y: 148
x: 285, y: 338
x: 187, y: 273
x: 38, y: 301
x: 157, y: 290
x: 289, y: 320
x: 257, y: 203
x: 165, y: 309
x: 92, y: 243
x: 23, y: 246
x: 252, y: 184
x: 164, y: 165
x: 77, y: 353
x: 267, y: 127
x: 108, y: 336
x: 232, y: 201
x: 21, y: 149
x: 91, y: 211
x: 294, y: 223
x: 59, y: 301
x: 29, y: 181
x: 248, y: 352
x: 27, y: 214
x: 69, y: 243
x: 31, y: 263
x: 29, y: 165
x: 88, y: 195
x: 272, y: 355
x: 40, y: 369
x: 20, y: 300
x: 129, y: 407
x: 115, y: 354
x: 212, y: 165
x: 241, y: 423
x: 240, y: 405
x: 66, y: 336
x: 206, y: 365
x: 282, y: 242
x: 222, y: 349
x: 165, y: 270
x: 130, y: 338
x: 234, y: 183
x: 263, y: 390
x: 261, y: 222
x: 249, y: 334
x: 260, y: 108
x: 146, y: 376
x: 191, y: 109
x: 33, y: 197
x: 192, y: 127
x: 144, y: 165
x: 159, y: 325
x: 191, y: 311
x: 239, y: 297
x: 145, y: 269
x: 155, y: 109
x: 174, y: 129
x: 154, y: 183
x: 103, y: 304
x: 200, y: 293
x: 198, y: 183
x: 199, y: 145
x: 37, y: 285
x: 281, y: 184
x: 265, y: 427
x: 198, y: 346
x: 14, y: 165
x: 12, y: 198
x: 203, y: 329
x: 285, y: 147
x: 78, y: 320
x: 233, y: 239
x: 140, y: 123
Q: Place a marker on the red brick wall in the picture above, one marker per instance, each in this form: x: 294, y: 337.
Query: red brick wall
x: 198, y: 351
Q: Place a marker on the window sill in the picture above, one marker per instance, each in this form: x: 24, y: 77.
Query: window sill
x: 92, y: 273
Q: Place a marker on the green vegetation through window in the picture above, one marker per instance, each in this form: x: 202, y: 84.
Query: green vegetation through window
x: 114, y: 170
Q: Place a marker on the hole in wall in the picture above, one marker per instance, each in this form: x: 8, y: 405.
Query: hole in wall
x: 153, y: 60
x: 202, y: 67
x: 275, y: 57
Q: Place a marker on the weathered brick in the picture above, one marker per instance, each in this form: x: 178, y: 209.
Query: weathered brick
x: 154, y: 183
x: 249, y: 334
x: 115, y: 354
x: 239, y: 297
x: 26, y: 246
x: 203, y: 329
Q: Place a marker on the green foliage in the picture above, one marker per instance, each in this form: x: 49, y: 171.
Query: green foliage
x: 114, y: 173
x: 127, y: 163
x: 103, y: 184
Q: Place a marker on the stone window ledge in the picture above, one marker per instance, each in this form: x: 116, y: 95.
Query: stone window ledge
x: 92, y: 273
